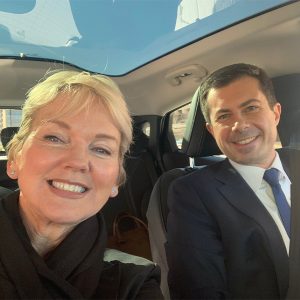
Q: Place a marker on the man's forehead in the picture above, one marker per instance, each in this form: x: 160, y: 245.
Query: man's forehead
x: 245, y: 87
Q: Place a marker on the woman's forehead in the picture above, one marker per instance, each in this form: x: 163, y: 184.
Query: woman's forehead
x: 68, y: 105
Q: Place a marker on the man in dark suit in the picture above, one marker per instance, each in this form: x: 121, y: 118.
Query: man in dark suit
x: 226, y: 238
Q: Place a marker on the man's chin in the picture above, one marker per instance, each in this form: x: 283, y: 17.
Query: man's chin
x: 245, y: 159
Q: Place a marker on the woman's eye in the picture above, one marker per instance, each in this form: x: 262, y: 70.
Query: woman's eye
x: 101, y: 151
x: 53, y: 138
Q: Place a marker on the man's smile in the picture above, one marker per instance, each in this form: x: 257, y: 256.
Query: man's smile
x: 245, y: 140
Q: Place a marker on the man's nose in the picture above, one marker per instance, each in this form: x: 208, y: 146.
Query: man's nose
x: 240, y: 124
x: 77, y: 159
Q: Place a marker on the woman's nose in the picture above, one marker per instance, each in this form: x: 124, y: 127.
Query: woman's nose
x: 77, y: 159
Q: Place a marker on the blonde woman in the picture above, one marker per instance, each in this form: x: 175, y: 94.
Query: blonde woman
x: 68, y: 159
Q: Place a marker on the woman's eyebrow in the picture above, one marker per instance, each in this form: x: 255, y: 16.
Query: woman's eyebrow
x: 60, y: 123
x: 102, y: 136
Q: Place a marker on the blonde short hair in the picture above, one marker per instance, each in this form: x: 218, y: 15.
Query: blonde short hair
x: 77, y: 86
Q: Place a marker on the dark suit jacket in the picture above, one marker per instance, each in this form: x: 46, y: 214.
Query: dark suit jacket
x: 221, y: 241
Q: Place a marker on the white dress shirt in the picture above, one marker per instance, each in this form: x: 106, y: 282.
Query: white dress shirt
x: 254, y: 177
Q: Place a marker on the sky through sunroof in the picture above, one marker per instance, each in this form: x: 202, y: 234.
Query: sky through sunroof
x: 113, y: 36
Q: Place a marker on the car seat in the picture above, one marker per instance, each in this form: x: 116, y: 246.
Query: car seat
x: 197, y: 142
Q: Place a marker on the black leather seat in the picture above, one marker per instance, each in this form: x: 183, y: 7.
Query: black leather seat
x: 141, y: 174
x: 197, y: 143
x: 287, y: 88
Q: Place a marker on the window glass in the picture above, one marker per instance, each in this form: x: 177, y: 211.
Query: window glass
x: 77, y: 32
x: 278, y: 144
x: 146, y: 128
x: 178, y: 120
x: 9, y: 118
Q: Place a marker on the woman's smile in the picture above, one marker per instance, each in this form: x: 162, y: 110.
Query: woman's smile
x: 75, y: 188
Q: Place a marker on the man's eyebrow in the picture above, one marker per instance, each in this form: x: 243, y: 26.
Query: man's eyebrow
x: 249, y: 102
x: 97, y: 136
x: 222, y: 110
x: 244, y: 104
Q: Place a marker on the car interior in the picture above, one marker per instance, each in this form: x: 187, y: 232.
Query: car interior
x: 170, y: 136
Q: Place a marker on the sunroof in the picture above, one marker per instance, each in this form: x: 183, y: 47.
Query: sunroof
x: 114, y: 37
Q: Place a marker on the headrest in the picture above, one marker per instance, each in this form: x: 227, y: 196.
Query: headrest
x: 287, y: 91
x: 140, y: 141
x: 7, y: 134
x: 197, y: 141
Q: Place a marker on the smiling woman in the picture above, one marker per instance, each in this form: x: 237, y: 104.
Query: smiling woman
x: 68, y: 159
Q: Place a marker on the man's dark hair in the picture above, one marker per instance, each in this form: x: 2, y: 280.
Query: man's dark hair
x: 226, y: 75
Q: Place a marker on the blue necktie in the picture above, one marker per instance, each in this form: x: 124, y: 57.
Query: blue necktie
x: 271, y: 176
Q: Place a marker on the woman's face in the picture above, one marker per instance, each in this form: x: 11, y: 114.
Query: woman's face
x: 68, y: 167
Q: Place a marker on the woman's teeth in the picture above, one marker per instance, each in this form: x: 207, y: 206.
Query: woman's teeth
x: 68, y: 187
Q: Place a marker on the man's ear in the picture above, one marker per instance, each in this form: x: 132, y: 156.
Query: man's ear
x: 210, y: 129
x: 277, y: 112
x: 11, y: 170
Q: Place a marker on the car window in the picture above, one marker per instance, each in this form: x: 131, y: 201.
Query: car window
x: 278, y: 143
x: 177, y: 121
x: 146, y: 128
x: 9, y: 118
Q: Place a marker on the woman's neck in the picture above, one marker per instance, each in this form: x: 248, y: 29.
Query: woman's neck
x: 44, y: 235
x: 44, y: 241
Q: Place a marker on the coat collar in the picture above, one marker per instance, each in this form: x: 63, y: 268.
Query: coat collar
x: 232, y: 187
x: 73, y: 268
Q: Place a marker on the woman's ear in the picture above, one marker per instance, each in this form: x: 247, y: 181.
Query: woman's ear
x: 11, y: 170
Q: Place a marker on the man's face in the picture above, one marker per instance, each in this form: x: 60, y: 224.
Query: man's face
x: 242, y: 122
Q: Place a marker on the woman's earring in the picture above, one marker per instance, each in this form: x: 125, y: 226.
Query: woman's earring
x: 12, y: 174
x: 114, y: 191
x: 11, y: 171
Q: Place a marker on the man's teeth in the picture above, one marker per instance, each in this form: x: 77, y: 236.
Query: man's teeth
x: 68, y: 187
x: 246, y: 141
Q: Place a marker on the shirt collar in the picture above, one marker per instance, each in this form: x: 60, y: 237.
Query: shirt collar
x: 254, y: 175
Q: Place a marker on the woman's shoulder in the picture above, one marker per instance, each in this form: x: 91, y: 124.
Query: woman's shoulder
x: 129, y: 276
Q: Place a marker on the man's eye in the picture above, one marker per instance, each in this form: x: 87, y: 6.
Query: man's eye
x: 53, y: 138
x: 223, y: 117
x: 251, y: 108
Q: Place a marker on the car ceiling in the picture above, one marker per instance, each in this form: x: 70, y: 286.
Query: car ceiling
x: 271, y: 41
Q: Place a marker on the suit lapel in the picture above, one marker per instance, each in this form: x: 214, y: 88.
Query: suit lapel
x: 285, y: 157
x: 241, y: 196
